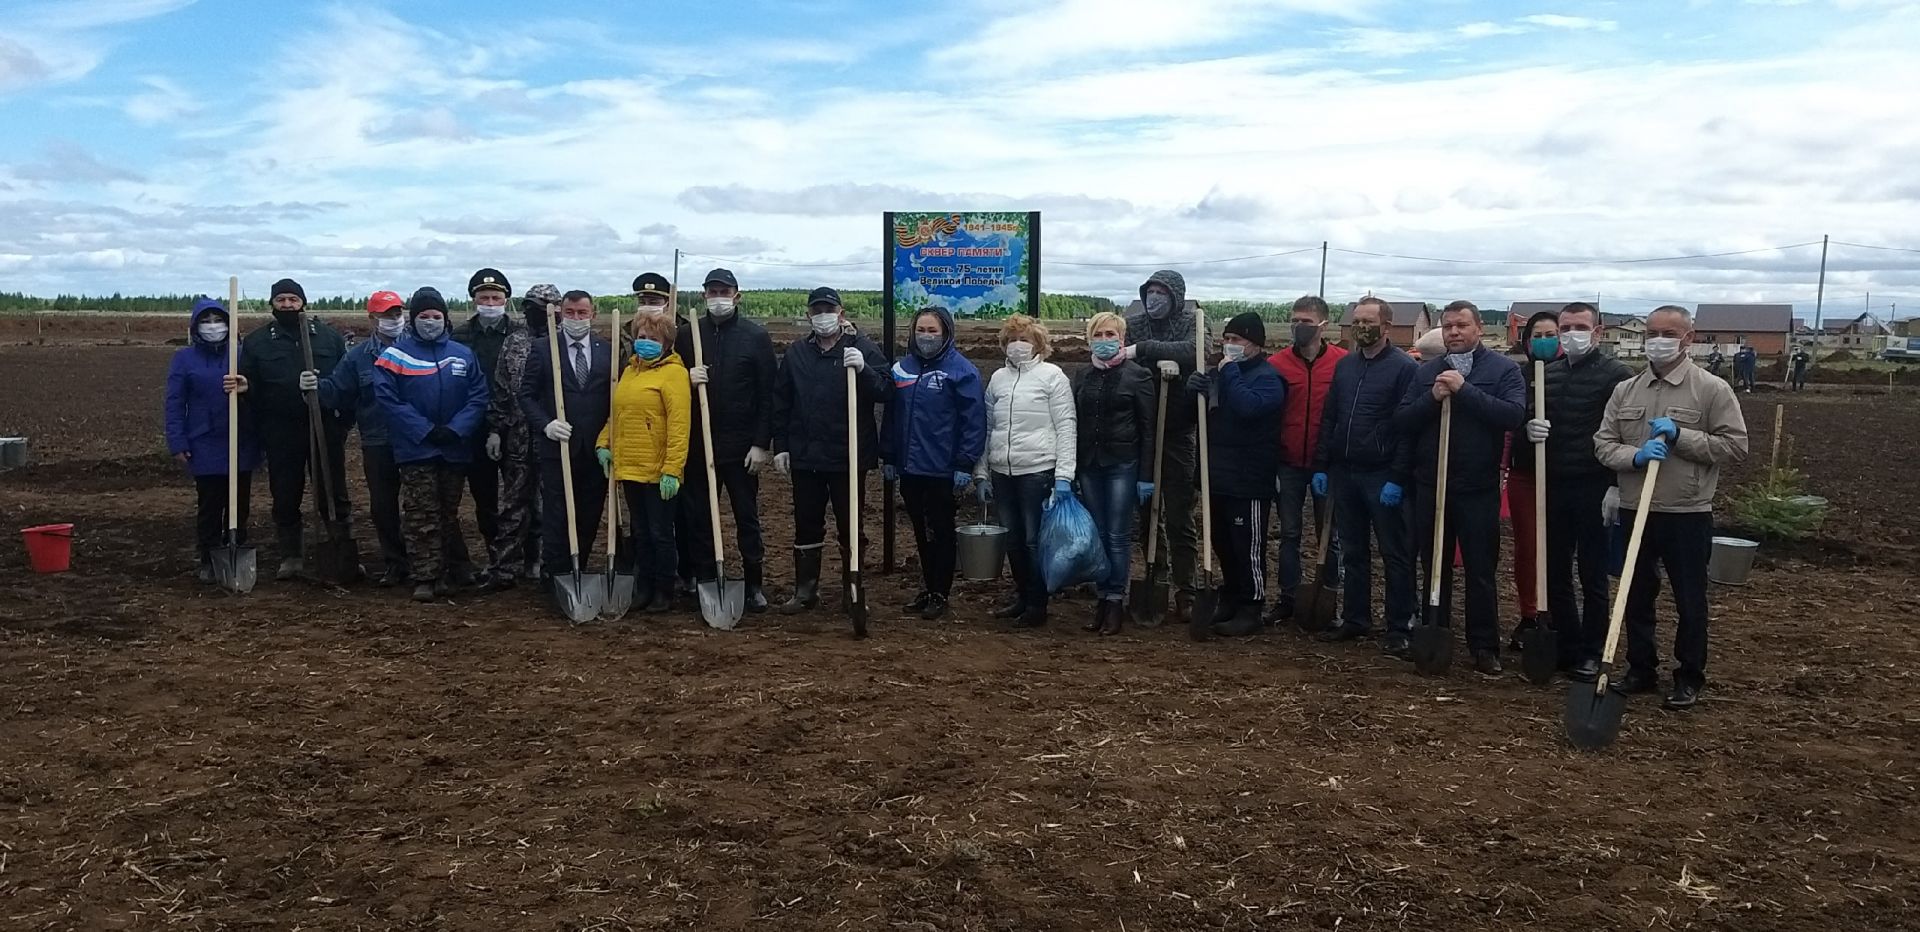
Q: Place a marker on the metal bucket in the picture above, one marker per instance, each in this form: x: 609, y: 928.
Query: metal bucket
x: 1732, y: 561
x: 982, y: 548
x: 13, y: 452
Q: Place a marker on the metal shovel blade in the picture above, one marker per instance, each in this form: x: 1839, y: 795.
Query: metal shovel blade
x: 1432, y: 649
x: 1147, y: 601
x: 1318, y: 609
x: 619, y: 595
x: 1593, y: 714
x: 335, y: 557
x: 235, y: 568
x: 580, y: 596
x: 1540, y: 651
x: 722, y: 600
x: 1200, y: 623
x: 856, y: 599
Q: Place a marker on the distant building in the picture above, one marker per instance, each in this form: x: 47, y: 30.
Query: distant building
x: 1493, y: 330
x: 1624, y: 335
x: 1863, y: 334
x: 1410, y: 320
x: 1765, y: 327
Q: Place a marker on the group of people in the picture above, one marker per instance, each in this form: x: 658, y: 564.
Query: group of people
x: 1355, y: 432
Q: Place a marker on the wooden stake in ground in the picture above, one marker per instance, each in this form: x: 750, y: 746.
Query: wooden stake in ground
x: 1779, y: 428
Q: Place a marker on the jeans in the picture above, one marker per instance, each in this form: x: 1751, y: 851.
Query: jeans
x: 1473, y: 523
x: 383, y: 504
x: 1240, y: 544
x: 1018, y: 500
x: 1112, y: 494
x: 1179, y: 536
x: 1577, y: 531
x: 1357, y: 509
x: 930, y: 507
x: 589, y: 503
x: 743, y: 492
x: 651, y: 543
x: 1292, y: 488
x: 1682, y: 544
x: 210, y: 513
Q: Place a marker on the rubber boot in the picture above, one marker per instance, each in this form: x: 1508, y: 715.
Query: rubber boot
x: 292, y: 548
x: 806, y: 582
x: 756, y: 596
x: 1116, y: 616
x: 1099, y: 619
x: 661, y: 601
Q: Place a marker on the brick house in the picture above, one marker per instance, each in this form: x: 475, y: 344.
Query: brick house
x: 1863, y: 334
x: 1767, y: 327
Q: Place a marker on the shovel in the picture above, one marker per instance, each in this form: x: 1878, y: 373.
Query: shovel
x: 336, y: 557
x: 1200, y: 625
x: 723, y: 600
x: 1320, y: 605
x: 617, y: 585
x: 1593, y: 711
x: 856, y: 596
x: 1431, y: 642
x: 1540, y: 646
x: 579, y: 596
x: 1147, y: 598
x: 233, y: 565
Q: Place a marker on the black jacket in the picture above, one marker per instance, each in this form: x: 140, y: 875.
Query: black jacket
x: 485, y: 342
x: 1489, y: 407
x: 270, y: 359
x: 587, y: 404
x: 1115, y: 409
x: 1357, y: 432
x: 1577, y: 395
x: 1249, y: 400
x: 810, y: 404
x: 740, y: 376
x: 1170, y: 338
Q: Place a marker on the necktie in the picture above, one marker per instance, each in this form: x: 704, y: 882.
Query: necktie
x: 580, y: 369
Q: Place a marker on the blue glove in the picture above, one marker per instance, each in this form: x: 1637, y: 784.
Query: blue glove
x: 1665, y: 426
x: 961, y: 480
x: 1654, y: 449
x: 889, y: 473
x: 1060, y: 487
x: 1391, y: 495
x: 1320, y: 484
x: 1145, y: 491
x: 1200, y: 382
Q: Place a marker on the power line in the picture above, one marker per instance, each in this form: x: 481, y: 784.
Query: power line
x: 1457, y: 261
x: 1169, y: 263
x: 741, y: 260
x: 1882, y: 248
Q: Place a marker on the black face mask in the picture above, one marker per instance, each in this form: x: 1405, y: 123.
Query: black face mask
x: 287, y: 319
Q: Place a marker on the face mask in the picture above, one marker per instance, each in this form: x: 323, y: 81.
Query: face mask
x: 489, y: 313
x: 576, y: 329
x: 1577, y: 342
x: 1019, y: 351
x: 1106, y: 349
x: 1366, y: 335
x: 212, y: 331
x: 1545, y: 348
x: 1663, y: 349
x: 289, y: 320
x: 388, y: 327
x: 720, y: 308
x: 1232, y: 352
x: 825, y: 325
x: 429, y: 328
x: 929, y: 345
x: 1461, y: 363
x: 652, y: 310
x: 1158, y: 305
x: 648, y: 350
x: 1305, y: 333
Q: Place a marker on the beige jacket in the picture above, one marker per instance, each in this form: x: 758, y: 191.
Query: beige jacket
x: 1713, y: 432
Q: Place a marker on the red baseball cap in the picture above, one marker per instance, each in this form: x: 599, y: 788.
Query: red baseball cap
x: 383, y: 301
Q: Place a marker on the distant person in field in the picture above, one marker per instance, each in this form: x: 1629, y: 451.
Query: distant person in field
x: 1246, y: 399
x: 1160, y: 336
x: 1033, y: 452
x: 279, y: 381
x: 810, y: 432
x: 644, y: 448
x: 349, y: 387
x: 196, y: 428
x: 1715, y: 360
x: 1671, y: 413
x: 434, y: 395
x: 1746, y: 367
x: 586, y: 373
x: 1307, y: 367
x: 1488, y: 400
x: 1539, y: 340
x: 1800, y: 362
x: 1367, y: 466
x: 936, y: 435
x: 739, y: 369
x: 514, y: 548
x: 1116, y: 401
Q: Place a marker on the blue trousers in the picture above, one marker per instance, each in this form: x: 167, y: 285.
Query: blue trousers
x: 1018, y: 500
x: 1363, y: 520
x: 1112, y: 494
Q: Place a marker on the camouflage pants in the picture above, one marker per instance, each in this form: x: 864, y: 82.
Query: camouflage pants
x: 514, y: 544
x: 430, y: 515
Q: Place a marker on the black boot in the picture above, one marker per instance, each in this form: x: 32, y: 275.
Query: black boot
x: 1116, y: 616
x: 1013, y: 609
x: 756, y: 596
x: 1244, y: 622
x: 806, y: 582
x: 661, y: 600
x: 936, y: 607
x: 1099, y: 619
x: 1033, y: 617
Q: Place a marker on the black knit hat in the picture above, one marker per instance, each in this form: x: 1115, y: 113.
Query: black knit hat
x: 288, y: 286
x: 1248, y: 327
x: 426, y: 299
x: 489, y: 278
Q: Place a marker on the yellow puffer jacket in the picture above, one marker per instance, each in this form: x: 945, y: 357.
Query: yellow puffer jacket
x: 647, y: 431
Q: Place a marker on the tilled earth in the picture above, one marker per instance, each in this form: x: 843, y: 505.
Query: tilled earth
x: 305, y: 757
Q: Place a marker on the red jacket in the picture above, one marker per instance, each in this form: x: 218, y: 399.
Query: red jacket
x: 1307, y: 389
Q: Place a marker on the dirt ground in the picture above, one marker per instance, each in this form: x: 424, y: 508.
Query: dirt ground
x: 310, y: 758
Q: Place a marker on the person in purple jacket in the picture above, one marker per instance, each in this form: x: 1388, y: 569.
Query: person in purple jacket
x: 196, y: 417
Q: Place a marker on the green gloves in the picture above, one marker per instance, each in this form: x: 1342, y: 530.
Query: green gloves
x: 606, y: 460
x: 669, y: 487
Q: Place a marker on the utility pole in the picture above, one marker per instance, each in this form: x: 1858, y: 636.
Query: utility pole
x: 1323, y: 270
x: 1820, y: 293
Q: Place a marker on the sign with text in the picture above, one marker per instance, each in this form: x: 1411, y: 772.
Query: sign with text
x: 973, y: 263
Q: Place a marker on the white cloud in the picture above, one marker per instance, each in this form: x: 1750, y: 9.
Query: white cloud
x: 1558, y: 21
x: 163, y: 102
x: 1045, y: 33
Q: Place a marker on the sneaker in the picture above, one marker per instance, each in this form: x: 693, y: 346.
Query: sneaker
x: 1244, y: 623
x: 1339, y: 633
x: 1397, y: 645
x: 423, y: 592
x: 1487, y: 663
x: 290, y: 568
x: 1635, y: 682
x: 1683, y: 697
x: 935, y: 607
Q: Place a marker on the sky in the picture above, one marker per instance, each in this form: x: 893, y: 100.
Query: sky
x: 162, y: 145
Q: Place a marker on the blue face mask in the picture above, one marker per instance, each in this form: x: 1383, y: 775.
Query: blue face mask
x: 1105, y: 349
x: 1545, y: 348
x: 648, y: 350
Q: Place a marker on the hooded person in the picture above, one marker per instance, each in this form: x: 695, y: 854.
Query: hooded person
x: 514, y: 547
x: 196, y: 428
x: 936, y: 432
x: 349, y: 387
x: 1160, y: 336
x: 434, y: 396
x: 1246, y: 399
x: 1539, y: 340
x: 486, y: 333
x: 279, y: 380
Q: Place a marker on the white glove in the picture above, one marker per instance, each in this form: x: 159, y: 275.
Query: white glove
x: 853, y: 359
x: 310, y: 380
x: 757, y: 460
x: 1537, y: 429
x: 493, y: 447
x: 697, y: 375
x: 783, y: 464
x: 559, y: 431
x: 1610, y: 506
x: 1169, y: 369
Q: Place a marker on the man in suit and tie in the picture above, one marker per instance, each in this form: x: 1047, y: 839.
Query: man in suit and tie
x: 586, y: 366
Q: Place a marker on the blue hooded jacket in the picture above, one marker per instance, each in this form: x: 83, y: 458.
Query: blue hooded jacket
x: 423, y: 384
x: 196, y: 414
x: 937, y: 420
x: 350, y: 388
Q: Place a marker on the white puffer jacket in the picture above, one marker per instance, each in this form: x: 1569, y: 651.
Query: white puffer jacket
x: 1031, y: 423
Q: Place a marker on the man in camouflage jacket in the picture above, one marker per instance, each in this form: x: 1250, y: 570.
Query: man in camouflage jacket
x: 515, y: 545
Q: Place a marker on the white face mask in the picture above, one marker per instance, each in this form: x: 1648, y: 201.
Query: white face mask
x: 577, y: 329
x: 825, y: 325
x: 212, y: 331
x: 388, y: 327
x: 490, y: 313
x: 720, y: 308
x: 1232, y: 352
x: 652, y: 310
x: 1577, y: 343
x: 1663, y: 349
x: 1019, y: 351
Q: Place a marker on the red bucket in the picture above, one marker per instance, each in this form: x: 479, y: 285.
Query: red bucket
x: 49, y: 547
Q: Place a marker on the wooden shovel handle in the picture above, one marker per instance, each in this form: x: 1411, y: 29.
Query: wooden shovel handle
x: 566, y: 446
x: 1206, y: 481
x: 1440, y: 563
x: 853, y: 471
x: 1626, y: 572
x: 233, y: 411
x: 1540, y: 489
x: 1159, y: 456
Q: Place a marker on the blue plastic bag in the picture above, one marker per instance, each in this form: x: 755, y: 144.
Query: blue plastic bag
x: 1070, y: 548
